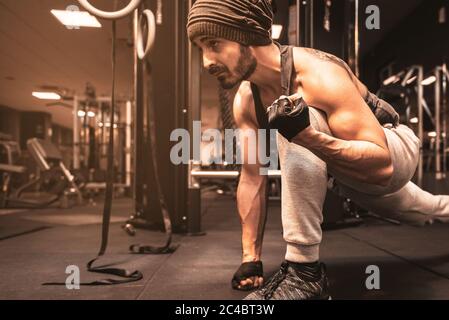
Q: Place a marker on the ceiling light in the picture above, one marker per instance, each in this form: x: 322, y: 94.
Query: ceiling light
x: 76, y: 19
x: 46, y: 95
x: 391, y: 80
x: 81, y: 113
x: 414, y: 120
x: 429, y: 80
x: 91, y: 114
x: 276, y: 31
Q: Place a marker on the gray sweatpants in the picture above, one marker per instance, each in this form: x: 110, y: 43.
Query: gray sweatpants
x: 305, y: 183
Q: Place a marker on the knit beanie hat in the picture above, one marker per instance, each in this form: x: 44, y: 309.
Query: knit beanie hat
x: 247, y: 22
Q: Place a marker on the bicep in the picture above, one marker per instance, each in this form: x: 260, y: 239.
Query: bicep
x: 349, y: 116
x: 356, y: 122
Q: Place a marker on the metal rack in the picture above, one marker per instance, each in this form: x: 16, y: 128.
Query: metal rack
x: 438, y: 114
x: 100, y: 122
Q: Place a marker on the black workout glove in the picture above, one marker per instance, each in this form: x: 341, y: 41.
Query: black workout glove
x: 288, y: 117
x: 245, y: 271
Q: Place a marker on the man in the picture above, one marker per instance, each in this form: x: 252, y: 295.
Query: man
x: 328, y: 124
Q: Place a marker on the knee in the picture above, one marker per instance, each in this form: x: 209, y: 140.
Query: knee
x: 302, y: 165
x: 384, y: 176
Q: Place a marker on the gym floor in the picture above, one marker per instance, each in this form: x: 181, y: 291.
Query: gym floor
x: 37, y: 246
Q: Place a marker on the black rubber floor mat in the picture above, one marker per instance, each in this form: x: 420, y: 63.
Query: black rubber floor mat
x: 13, y: 227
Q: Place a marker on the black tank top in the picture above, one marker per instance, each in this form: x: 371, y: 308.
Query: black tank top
x: 287, y: 76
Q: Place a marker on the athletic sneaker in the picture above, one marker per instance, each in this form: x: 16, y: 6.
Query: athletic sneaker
x: 295, y: 282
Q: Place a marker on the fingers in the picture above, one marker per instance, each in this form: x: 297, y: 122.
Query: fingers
x: 253, y: 282
x: 295, y: 97
x: 282, y: 105
x: 276, y: 107
x: 289, y: 100
x: 286, y: 105
x: 245, y: 284
x: 258, y: 282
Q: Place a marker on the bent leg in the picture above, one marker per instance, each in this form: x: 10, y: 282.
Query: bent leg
x: 304, y: 187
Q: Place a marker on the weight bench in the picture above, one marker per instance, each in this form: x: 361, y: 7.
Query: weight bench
x: 47, y: 156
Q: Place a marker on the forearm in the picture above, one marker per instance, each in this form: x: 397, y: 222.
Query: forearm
x: 251, y: 203
x: 360, y: 160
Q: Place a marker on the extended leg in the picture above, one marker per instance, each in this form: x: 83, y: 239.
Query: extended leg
x: 410, y: 204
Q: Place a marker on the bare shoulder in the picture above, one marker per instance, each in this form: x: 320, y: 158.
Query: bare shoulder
x: 317, y: 58
x: 318, y: 66
x: 243, y: 107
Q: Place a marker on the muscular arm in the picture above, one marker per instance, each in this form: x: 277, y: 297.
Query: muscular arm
x: 358, y: 147
x: 361, y: 160
x: 251, y: 192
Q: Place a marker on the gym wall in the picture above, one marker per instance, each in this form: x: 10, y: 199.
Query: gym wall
x: 10, y: 122
x: 34, y: 125
x: 419, y: 39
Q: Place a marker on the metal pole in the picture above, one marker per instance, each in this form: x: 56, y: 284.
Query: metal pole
x: 194, y: 113
x: 103, y: 143
x: 437, y: 92
x: 408, y: 76
x: 445, y: 116
x: 312, y: 45
x: 198, y: 174
x: 420, y: 124
x: 139, y: 139
x: 194, y: 88
x: 298, y: 17
x: 128, y: 145
x: 356, y: 38
x: 85, y: 153
x: 76, y: 138
x: 215, y: 174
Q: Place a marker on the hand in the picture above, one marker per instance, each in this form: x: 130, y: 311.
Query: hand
x: 250, y: 283
x: 248, y: 276
x: 289, y: 115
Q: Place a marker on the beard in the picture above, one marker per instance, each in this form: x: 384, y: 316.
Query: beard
x: 246, y: 65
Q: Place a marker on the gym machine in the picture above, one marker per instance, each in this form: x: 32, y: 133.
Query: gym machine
x: 441, y: 125
x: 404, y: 78
x: 143, y: 72
x: 91, y: 122
x: 172, y: 70
x: 60, y: 185
x: 409, y: 84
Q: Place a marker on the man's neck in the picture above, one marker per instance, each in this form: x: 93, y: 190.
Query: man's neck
x: 267, y: 75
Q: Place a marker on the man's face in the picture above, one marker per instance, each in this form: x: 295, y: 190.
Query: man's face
x: 230, y: 62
